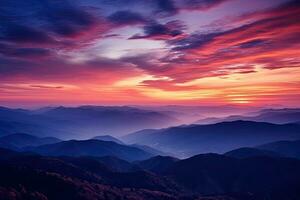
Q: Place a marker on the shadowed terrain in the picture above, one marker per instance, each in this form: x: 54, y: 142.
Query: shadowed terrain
x: 28, y: 176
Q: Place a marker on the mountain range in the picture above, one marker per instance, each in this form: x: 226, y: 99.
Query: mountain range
x: 247, y: 152
x: 81, y: 122
x: 20, y: 140
x: 290, y: 149
x: 107, y: 138
x: 91, y: 148
x: 159, y: 159
x: 284, y: 148
x: 185, y: 141
x: 276, y: 116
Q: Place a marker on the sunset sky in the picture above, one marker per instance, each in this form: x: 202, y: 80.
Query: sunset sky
x: 116, y: 52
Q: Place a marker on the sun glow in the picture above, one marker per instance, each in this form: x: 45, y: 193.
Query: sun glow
x: 214, y: 55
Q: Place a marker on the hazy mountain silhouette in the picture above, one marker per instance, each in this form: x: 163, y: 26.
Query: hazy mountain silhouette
x: 247, y: 152
x: 113, y: 120
x: 285, y: 148
x: 81, y: 122
x: 189, y: 140
x: 19, y: 140
x: 277, y: 116
x: 91, y: 148
x: 26, y: 142
x: 107, y: 138
x: 10, y: 126
x: 26, y: 121
x: 150, y: 150
x: 189, y: 114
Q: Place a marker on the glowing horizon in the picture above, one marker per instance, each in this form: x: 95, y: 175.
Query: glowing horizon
x: 194, y: 52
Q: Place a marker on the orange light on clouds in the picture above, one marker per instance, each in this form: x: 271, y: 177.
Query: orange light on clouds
x: 250, y: 57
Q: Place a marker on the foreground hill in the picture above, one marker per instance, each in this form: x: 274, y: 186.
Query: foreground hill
x: 202, y: 177
x: 40, y: 178
x: 262, y: 177
x: 185, y: 141
x: 91, y: 148
x: 157, y: 164
x: 116, y: 164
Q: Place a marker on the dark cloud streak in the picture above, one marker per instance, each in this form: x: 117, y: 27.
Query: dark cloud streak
x: 161, y: 31
x: 126, y: 17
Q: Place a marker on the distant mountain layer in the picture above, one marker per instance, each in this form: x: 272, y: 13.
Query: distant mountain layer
x: 284, y: 148
x: 247, y: 152
x: 277, y: 116
x: 81, y: 122
x: 185, y: 141
x: 91, y: 148
x: 107, y: 138
x: 54, y: 146
x: 151, y: 150
x: 206, y: 176
x: 20, y: 140
x: 189, y: 114
x: 274, y: 149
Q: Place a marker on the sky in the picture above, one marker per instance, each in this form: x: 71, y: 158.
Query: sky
x: 121, y: 52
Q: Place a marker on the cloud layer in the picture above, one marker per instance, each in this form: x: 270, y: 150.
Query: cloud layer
x: 161, y: 51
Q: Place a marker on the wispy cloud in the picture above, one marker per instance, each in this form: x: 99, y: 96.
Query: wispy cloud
x: 180, y: 48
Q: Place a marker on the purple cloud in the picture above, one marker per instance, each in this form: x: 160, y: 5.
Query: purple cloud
x: 158, y: 31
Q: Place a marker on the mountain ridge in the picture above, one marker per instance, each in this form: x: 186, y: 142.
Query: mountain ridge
x: 221, y: 137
